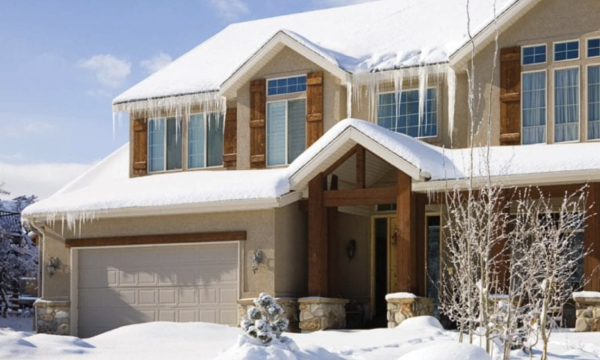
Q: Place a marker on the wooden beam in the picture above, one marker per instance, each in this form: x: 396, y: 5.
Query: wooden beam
x: 406, y: 242
x: 591, y: 262
x: 361, y: 173
x: 317, y: 238
x: 355, y: 197
x: 333, y: 244
x: 158, y: 239
x: 340, y: 161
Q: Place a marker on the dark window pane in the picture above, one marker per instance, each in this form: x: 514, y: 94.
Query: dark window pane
x: 173, y: 144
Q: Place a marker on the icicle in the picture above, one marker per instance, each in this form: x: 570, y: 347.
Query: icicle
x: 423, y: 79
x: 451, y: 79
x: 349, y: 97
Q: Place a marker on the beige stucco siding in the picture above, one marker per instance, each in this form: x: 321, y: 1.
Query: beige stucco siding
x: 286, y: 63
x: 355, y: 274
x: 259, y: 226
x: 291, y: 248
x: 548, y: 22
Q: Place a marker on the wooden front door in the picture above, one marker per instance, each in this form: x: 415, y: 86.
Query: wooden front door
x: 384, y: 264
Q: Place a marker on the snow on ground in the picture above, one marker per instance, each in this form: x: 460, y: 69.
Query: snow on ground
x: 201, y: 341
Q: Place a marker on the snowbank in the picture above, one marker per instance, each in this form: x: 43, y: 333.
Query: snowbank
x: 448, y: 351
x: 421, y: 323
x: 247, y: 348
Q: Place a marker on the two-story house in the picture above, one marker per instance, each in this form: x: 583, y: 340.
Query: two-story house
x: 247, y: 170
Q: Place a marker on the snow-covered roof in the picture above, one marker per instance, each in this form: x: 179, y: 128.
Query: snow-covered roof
x: 361, y: 38
x: 107, y: 187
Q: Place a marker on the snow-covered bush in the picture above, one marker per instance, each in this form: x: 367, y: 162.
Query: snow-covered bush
x: 265, y: 320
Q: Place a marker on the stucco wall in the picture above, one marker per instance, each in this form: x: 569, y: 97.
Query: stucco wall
x: 259, y: 226
x: 286, y: 63
x: 355, y: 274
x: 56, y: 286
x: 291, y: 248
x: 547, y: 22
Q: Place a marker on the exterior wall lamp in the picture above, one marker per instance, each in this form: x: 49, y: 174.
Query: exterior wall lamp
x: 52, y: 265
x: 351, y: 249
x: 256, y: 259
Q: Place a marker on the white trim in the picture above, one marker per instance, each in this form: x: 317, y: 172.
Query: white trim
x: 537, y: 179
x: 437, y: 108
x: 74, y: 288
x: 243, y: 74
x: 533, y: 46
x: 554, y: 70
x: 545, y: 71
x: 566, y: 42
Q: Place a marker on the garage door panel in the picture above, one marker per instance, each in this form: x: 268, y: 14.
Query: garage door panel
x: 124, y: 286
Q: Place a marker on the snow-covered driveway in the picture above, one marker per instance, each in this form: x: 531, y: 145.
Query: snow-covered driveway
x: 201, y: 341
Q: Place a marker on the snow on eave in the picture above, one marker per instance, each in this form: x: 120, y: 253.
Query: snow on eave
x: 271, y: 47
x: 487, y: 34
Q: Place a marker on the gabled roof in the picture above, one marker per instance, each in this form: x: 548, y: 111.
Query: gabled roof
x: 362, y: 38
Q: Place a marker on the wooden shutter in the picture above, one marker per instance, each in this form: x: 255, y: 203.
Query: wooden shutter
x: 510, y: 96
x: 140, y: 147
x: 314, y: 107
x: 258, y: 135
x: 230, y: 139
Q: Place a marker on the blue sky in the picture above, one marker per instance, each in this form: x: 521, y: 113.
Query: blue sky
x: 62, y: 62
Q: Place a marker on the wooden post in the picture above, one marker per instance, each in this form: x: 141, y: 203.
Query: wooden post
x: 421, y: 240
x: 317, y: 238
x: 333, y: 244
x: 360, y: 168
x: 591, y: 263
x: 406, y: 235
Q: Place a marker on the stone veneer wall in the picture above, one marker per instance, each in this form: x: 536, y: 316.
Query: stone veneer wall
x: 400, y: 309
x: 587, y: 312
x: 318, y: 313
x: 289, y: 305
x: 53, y: 317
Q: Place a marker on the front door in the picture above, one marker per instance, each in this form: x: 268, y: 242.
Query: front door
x: 384, y: 265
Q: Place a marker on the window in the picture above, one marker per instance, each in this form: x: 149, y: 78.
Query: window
x: 534, y: 107
x: 534, y: 54
x: 399, y: 112
x: 593, y: 98
x: 566, y: 104
x: 286, y: 131
x: 164, y: 144
x: 568, y: 50
x: 205, y: 140
x: 288, y: 85
x: 593, y: 48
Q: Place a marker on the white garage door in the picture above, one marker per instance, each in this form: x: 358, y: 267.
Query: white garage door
x: 130, y: 285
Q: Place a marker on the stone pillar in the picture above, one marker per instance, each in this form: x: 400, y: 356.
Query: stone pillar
x: 318, y: 313
x: 53, y: 317
x: 402, y: 308
x: 289, y: 305
x: 587, y: 305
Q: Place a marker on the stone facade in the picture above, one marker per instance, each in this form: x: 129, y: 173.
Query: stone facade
x: 289, y: 305
x: 322, y: 313
x: 53, y: 317
x: 400, y: 309
x: 587, y: 312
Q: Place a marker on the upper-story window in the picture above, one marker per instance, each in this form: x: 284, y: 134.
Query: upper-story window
x: 534, y: 54
x: 593, y: 97
x: 567, y: 50
x: 286, y: 119
x: 593, y: 47
x: 566, y: 104
x: 164, y: 144
x: 205, y: 140
x: 287, y: 85
x: 399, y: 112
x: 534, y: 107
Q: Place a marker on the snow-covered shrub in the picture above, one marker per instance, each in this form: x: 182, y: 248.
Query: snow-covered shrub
x: 265, y: 320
